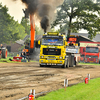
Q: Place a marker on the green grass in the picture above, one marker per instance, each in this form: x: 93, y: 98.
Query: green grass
x: 2, y: 60
x: 88, y: 64
x: 82, y: 91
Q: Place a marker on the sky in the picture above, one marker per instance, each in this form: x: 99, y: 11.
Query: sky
x: 15, y: 8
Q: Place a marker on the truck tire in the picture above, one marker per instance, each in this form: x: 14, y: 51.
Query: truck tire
x: 67, y: 63
x: 4, y: 53
x: 41, y: 65
x: 75, y: 63
x: 99, y: 61
x: 72, y: 61
x: 48, y: 65
x: 64, y: 66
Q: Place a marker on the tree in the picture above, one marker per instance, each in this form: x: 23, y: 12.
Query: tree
x: 97, y: 1
x: 74, y: 15
x: 26, y: 25
x: 10, y: 30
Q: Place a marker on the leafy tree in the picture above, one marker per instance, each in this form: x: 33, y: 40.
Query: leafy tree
x: 26, y: 25
x: 10, y: 30
x: 74, y: 15
x: 18, y: 31
x: 97, y: 0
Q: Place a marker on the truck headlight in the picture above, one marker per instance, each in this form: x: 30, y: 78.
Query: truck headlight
x: 41, y: 60
x: 60, y: 57
x: 42, y: 56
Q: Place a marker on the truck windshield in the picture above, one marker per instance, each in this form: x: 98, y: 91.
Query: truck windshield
x: 92, y: 49
x: 52, y: 42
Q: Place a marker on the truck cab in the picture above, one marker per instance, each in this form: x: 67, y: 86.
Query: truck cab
x: 92, y: 54
x: 53, y: 50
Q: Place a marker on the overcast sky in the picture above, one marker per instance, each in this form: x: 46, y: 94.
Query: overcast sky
x: 15, y: 8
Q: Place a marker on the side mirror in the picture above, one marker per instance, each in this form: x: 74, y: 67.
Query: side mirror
x: 39, y: 42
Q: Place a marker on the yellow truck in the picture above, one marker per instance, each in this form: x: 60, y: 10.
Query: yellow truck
x: 54, y: 50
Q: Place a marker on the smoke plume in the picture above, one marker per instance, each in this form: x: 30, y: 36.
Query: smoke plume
x: 43, y: 9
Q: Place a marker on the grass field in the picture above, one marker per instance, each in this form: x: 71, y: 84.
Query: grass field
x: 89, y: 64
x: 2, y: 60
x: 81, y: 91
x: 5, y: 60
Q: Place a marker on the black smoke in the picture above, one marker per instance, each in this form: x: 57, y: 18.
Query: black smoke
x: 31, y: 5
x: 45, y: 23
x: 43, y: 9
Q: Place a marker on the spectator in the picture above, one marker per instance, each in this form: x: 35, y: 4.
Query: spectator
x: 26, y: 46
x: 1, y: 46
x: 23, y: 54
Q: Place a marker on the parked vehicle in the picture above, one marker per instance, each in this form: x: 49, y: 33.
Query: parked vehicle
x: 83, y: 52
x: 92, y: 54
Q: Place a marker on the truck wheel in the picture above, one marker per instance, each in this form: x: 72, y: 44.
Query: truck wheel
x: 75, y: 63
x: 64, y: 66
x: 4, y: 53
x: 99, y: 61
x: 67, y: 63
x: 48, y: 65
x: 41, y: 65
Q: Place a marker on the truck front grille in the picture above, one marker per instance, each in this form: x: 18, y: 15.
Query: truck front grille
x: 90, y: 56
x: 50, y: 51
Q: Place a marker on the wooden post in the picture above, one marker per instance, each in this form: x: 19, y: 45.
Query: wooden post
x: 34, y: 93
x: 65, y: 83
x: 88, y: 75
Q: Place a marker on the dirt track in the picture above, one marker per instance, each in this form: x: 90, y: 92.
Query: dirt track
x: 16, y: 80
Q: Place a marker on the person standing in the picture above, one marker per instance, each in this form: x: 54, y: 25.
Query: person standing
x: 1, y: 46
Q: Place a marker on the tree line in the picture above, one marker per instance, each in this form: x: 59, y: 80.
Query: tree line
x: 74, y: 15
x: 11, y: 30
